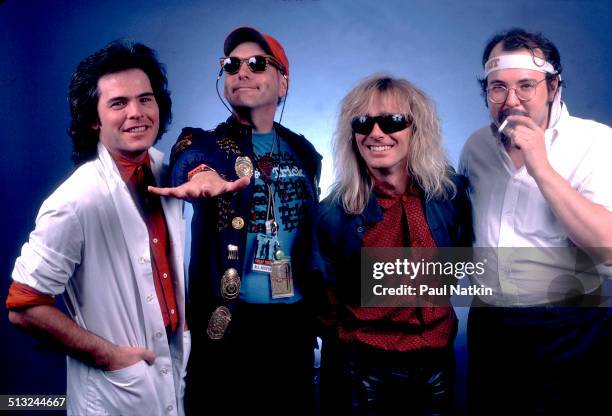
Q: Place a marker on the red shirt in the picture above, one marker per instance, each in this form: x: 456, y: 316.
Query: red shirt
x: 138, y: 176
x: 399, y: 329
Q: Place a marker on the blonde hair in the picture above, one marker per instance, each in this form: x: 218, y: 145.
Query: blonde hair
x: 427, y: 164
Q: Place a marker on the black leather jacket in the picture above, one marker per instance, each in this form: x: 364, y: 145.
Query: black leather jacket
x: 212, y: 230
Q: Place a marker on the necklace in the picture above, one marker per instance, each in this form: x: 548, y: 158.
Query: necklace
x: 265, y: 164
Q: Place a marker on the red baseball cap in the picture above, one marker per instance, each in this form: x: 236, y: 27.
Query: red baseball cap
x: 269, y: 44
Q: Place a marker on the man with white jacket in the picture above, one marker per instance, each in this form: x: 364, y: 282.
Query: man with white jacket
x: 112, y: 249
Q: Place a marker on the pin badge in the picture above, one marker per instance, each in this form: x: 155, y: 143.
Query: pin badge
x: 237, y: 223
x: 232, y: 252
x: 218, y: 323
x: 243, y: 166
x: 230, y: 284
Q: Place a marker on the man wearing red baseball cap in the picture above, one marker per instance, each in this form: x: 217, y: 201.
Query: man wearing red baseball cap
x: 253, y: 184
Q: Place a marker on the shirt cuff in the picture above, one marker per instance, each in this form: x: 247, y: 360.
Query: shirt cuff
x: 23, y: 296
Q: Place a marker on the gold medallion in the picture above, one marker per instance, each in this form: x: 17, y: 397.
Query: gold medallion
x: 243, y: 166
x: 230, y: 284
x: 237, y: 223
x: 218, y: 323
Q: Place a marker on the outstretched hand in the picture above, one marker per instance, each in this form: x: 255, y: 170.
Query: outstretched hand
x: 202, y: 185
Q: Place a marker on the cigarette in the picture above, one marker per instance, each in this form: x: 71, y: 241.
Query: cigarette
x: 503, y: 126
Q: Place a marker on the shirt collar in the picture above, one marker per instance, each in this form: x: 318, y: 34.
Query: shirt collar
x: 127, y: 167
x: 387, y: 200
x: 556, y: 124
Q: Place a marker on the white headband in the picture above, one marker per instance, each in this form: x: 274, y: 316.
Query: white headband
x: 516, y: 61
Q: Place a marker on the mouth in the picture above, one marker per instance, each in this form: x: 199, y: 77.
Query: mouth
x: 244, y: 87
x: 379, y: 148
x: 136, y: 129
x: 511, y: 112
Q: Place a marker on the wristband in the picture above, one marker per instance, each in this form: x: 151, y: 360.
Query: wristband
x: 201, y: 168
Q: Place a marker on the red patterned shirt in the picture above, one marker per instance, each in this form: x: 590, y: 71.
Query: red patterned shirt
x: 399, y: 329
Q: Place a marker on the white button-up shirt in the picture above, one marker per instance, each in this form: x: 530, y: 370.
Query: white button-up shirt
x: 91, y: 244
x: 510, y: 211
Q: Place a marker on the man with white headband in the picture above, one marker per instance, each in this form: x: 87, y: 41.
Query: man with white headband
x: 542, y: 202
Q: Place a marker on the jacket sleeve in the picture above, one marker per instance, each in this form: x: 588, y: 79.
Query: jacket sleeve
x: 54, y: 248
x: 192, y: 148
x: 322, y: 269
x: 465, y: 233
x: 321, y: 249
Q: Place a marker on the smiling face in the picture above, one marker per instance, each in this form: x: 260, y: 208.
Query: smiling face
x: 128, y: 114
x: 384, y: 154
x: 255, y: 91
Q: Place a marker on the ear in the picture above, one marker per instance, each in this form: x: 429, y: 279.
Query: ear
x: 96, y: 124
x: 284, y: 85
x: 553, y: 87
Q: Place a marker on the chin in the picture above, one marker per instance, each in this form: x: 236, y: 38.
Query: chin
x: 380, y: 162
x: 242, y: 103
x: 144, y: 143
x: 378, y: 165
x: 136, y: 150
x: 385, y: 164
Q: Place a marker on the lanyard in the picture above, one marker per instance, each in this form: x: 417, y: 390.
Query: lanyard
x: 266, y: 167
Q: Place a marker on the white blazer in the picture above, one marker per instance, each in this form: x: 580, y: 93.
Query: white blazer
x: 91, y: 244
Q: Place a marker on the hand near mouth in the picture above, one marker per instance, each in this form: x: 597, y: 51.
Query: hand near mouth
x: 528, y: 137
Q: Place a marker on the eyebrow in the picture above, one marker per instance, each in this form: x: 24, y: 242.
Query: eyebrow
x: 498, y: 81
x: 119, y: 98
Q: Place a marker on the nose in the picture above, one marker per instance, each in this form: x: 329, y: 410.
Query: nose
x: 134, y: 109
x: 376, y: 132
x: 243, y: 71
x: 512, y: 100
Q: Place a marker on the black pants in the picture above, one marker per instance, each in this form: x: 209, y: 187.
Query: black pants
x: 263, y: 365
x: 538, y: 361
x: 387, y: 383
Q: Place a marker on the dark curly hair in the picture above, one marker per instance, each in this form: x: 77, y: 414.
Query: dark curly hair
x: 515, y: 39
x: 83, y: 92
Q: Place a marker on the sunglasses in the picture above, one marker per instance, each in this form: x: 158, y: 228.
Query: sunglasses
x: 388, y: 123
x: 256, y: 63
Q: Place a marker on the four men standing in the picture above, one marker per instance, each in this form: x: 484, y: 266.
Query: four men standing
x: 113, y: 241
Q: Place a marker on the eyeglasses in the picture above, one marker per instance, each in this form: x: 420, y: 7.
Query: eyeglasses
x: 388, y: 123
x: 256, y: 63
x: 525, y: 91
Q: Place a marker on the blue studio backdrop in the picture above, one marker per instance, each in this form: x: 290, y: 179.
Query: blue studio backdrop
x: 331, y: 44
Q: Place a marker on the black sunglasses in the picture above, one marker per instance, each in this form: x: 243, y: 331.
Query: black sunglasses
x: 388, y: 123
x: 256, y: 63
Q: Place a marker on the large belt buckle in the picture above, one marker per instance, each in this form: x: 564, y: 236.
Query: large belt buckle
x: 218, y: 323
x: 230, y: 284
